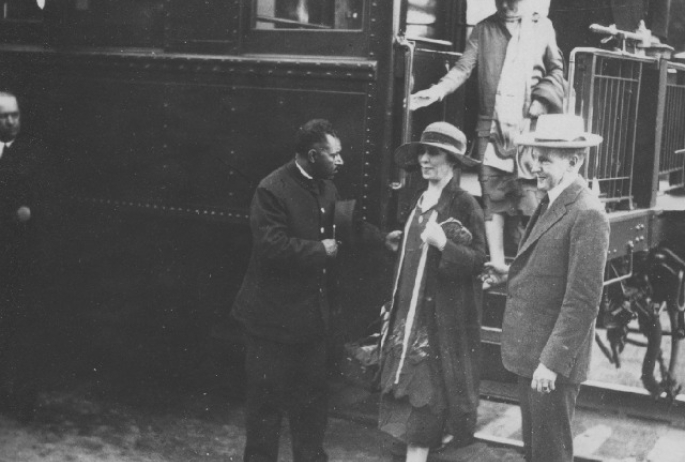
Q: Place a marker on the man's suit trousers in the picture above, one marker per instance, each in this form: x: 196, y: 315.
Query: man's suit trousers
x: 546, y: 421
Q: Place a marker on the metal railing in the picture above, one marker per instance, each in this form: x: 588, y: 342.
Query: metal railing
x: 607, y: 93
x: 672, y: 162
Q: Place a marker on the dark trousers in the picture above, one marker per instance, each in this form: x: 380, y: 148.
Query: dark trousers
x: 291, y: 379
x: 546, y: 421
x: 21, y: 334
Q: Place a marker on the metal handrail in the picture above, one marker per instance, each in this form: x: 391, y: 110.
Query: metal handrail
x: 598, y: 52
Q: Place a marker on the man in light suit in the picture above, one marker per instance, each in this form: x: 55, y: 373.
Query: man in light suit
x: 554, y: 288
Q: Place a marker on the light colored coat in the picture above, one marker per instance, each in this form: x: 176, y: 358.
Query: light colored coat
x: 555, y: 286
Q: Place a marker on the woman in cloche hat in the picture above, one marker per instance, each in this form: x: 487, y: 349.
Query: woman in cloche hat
x: 430, y: 351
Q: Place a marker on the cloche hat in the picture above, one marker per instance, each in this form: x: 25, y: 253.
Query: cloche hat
x: 442, y: 135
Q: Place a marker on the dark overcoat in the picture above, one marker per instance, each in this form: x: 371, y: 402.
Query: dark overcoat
x: 23, y: 183
x: 555, y: 285
x: 452, y: 280
x: 285, y: 294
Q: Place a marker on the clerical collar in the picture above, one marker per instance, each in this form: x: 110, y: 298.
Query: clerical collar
x: 302, y: 171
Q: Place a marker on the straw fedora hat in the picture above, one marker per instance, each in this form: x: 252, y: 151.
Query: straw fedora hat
x: 442, y: 135
x: 559, y: 131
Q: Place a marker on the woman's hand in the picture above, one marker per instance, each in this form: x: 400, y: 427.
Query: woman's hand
x: 392, y: 240
x: 434, y: 235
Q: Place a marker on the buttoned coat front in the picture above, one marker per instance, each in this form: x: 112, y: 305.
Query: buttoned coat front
x: 555, y: 285
x: 285, y: 293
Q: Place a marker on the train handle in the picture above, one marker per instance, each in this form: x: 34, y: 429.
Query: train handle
x: 642, y: 36
x: 629, y: 248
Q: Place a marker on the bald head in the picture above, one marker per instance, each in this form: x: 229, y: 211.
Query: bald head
x: 10, y: 123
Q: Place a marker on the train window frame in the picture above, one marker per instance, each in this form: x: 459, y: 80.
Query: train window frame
x: 20, y: 30
x: 336, y: 42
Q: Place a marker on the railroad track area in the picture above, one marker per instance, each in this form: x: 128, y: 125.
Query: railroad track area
x: 612, y: 424
x: 617, y: 420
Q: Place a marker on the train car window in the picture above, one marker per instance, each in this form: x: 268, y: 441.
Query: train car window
x: 23, y: 10
x: 22, y: 21
x: 105, y: 23
x: 422, y: 19
x: 308, y: 27
x: 309, y: 14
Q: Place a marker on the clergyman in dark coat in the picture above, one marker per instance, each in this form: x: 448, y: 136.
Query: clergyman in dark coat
x: 284, y: 303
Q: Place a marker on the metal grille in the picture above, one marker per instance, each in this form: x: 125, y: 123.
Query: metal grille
x: 672, y: 164
x: 607, y: 93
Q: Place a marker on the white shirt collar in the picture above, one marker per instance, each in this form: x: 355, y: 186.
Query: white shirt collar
x: 4, y: 145
x: 565, y: 182
x: 305, y: 174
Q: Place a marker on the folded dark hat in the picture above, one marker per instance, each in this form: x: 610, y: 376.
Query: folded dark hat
x: 343, y: 220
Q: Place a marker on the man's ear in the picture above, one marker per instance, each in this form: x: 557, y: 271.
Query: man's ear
x: 311, y: 155
x: 576, y: 161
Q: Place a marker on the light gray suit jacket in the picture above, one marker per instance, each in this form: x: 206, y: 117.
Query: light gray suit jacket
x: 555, y: 285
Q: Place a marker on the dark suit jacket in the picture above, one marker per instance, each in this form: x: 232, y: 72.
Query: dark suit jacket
x: 21, y: 171
x: 23, y: 182
x: 285, y: 293
x: 555, y: 285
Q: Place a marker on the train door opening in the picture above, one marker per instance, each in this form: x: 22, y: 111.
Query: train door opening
x: 430, y: 33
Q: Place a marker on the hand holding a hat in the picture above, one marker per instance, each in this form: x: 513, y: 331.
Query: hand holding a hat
x: 434, y: 235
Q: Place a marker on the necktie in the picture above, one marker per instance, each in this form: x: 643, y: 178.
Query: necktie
x: 542, y: 208
x: 544, y: 204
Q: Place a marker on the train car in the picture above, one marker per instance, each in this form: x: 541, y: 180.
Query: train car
x: 161, y: 116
